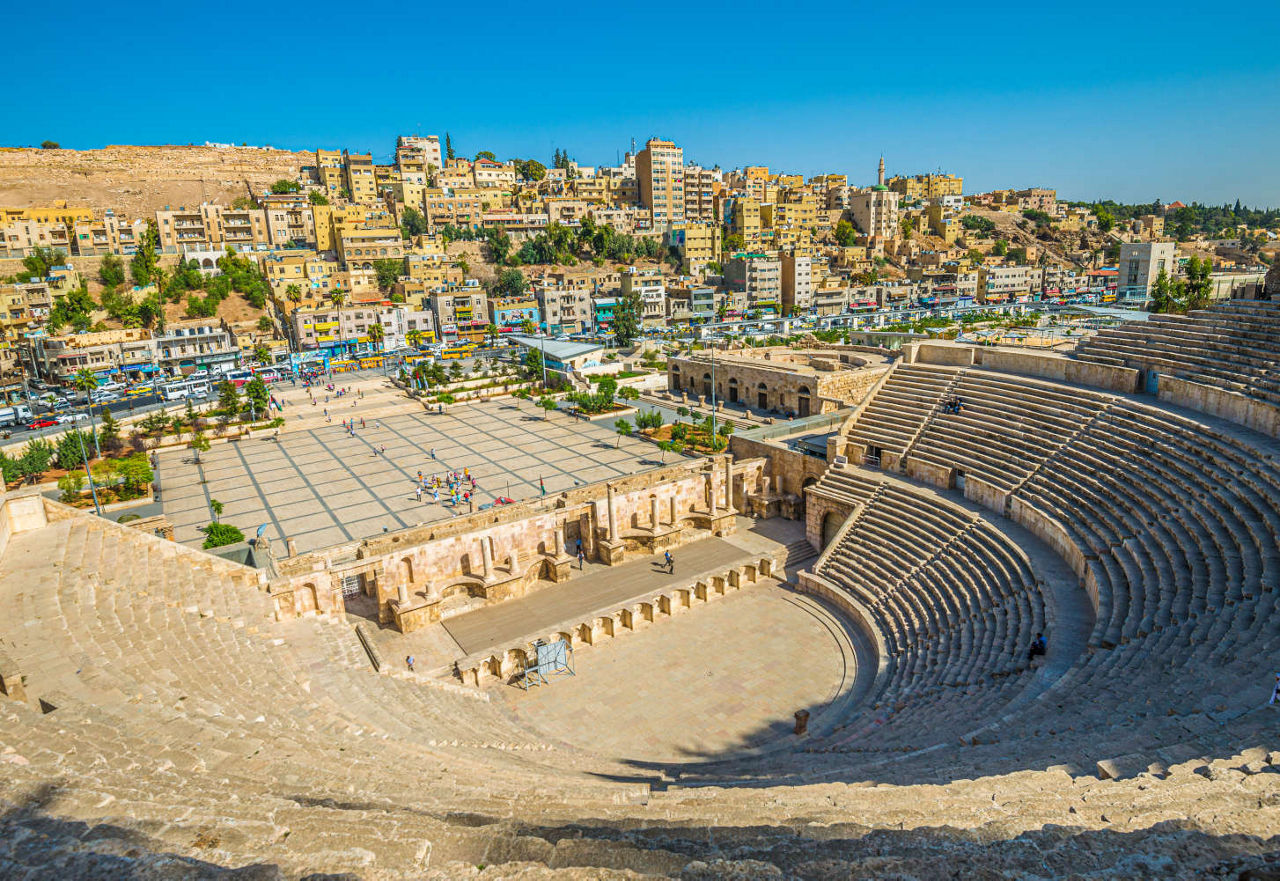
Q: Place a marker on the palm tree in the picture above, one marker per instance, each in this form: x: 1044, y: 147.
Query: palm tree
x: 86, y: 381
x: 375, y: 333
x: 491, y: 331
x: 414, y: 337
x: 337, y: 297
x: 294, y: 294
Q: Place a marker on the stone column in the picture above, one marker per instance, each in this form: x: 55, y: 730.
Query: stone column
x: 653, y: 512
x: 711, y: 490
x: 515, y: 560
x: 486, y: 552
x: 728, y: 482
x: 402, y: 593
x: 675, y: 511
x: 613, y: 515
x: 558, y: 542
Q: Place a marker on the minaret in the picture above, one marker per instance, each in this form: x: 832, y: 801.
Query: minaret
x: 880, y: 176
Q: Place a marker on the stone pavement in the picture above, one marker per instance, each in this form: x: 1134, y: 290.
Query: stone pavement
x: 504, y: 624
x: 321, y: 487
x: 720, y: 678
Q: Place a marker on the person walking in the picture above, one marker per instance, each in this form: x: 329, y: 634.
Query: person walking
x: 417, y: 493
x: 671, y: 562
x: 435, y: 495
x: 582, y: 558
x: 408, y: 662
x: 433, y: 454
x: 362, y: 423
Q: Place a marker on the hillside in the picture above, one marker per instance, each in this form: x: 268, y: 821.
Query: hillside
x: 136, y: 181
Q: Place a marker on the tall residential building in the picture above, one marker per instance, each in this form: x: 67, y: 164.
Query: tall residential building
x: 1140, y: 263
x: 359, y: 176
x: 699, y: 194
x: 927, y: 186
x: 418, y: 149
x: 660, y: 173
x: 797, y: 284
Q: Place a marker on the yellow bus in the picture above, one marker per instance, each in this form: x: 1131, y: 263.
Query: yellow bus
x: 370, y: 362
x: 463, y: 350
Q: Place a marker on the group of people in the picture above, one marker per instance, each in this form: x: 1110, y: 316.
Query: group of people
x: 952, y: 404
x: 460, y: 486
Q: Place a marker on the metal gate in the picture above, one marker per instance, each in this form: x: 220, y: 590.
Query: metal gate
x: 350, y: 586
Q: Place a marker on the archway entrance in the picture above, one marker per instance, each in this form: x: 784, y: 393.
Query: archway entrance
x: 831, y: 523
x: 762, y: 396
x: 802, y: 401
x: 733, y: 390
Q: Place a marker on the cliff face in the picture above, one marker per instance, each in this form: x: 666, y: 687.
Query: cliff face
x: 136, y: 181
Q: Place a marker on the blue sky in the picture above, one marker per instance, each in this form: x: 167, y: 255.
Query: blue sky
x: 1133, y: 100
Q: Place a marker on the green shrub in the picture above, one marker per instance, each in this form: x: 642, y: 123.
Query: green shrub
x: 218, y: 534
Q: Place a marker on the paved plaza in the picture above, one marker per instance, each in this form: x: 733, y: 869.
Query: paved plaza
x: 719, y: 678
x: 319, y: 486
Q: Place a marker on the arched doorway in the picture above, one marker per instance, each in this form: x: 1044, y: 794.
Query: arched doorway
x: 407, y: 565
x: 802, y: 401
x: 733, y: 390
x: 307, y: 600
x: 706, y: 386
x: 831, y: 523
x: 762, y: 396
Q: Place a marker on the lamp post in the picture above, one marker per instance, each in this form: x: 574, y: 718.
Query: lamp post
x: 84, y: 457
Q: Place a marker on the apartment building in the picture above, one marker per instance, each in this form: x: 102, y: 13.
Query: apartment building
x: 58, y: 358
x: 212, y: 227
x: 760, y: 278
x: 1037, y: 199
x: 416, y: 155
x: 1003, y: 284
x: 463, y: 207
x: 1141, y: 262
x: 461, y: 313
x: 652, y: 290
x: 109, y: 235
x: 509, y: 313
x: 565, y: 309
x: 199, y: 344
x: 697, y: 243
x: 487, y: 173
x: 329, y: 172
x: 335, y: 331
x: 686, y: 297
x: 361, y: 248
x: 700, y: 188
x: 747, y: 221
x: 399, y: 323
x: 359, y: 177
x: 875, y: 212
x: 797, y: 284
x: 923, y: 187
x: 290, y: 220
x: 660, y: 174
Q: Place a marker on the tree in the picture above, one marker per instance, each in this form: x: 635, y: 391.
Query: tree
x: 257, y: 398
x: 71, y: 485
x: 109, y: 437
x: 845, y: 233
x: 145, y: 265
x: 1001, y: 248
x: 527, y: 326
x: 412, y: 223
x: 50, y: 145
x: 414, y: 337
x: 448, y: 146
x: 283, y: 186
x: 531, y: 169
x: 499, y: 244
x: 36, y: 459
x: 627, y: 316
x: 623, y: 428
x: 216, y: 507
x: 629, y: 393
x: 907, y: 225
x: 39, y: 262
x: 69, y: 449
x: 1199, y: 284
x: 491, y: 332
x: 218, y: 535
x: 665, y: 446
x: 318, y: 198
x: 533, y: 364
x: 547, y: 403
x: 1106, y: 220
x: 1162, y: 293
x: 135, y: 473
x: 111, y: 271
x: 486, y: 154
x: 10, y: 469
x: 510, y: 283
x: 228, y: 397
x: 293, y: 293
x: 388, y: 272
x: 199, y: 443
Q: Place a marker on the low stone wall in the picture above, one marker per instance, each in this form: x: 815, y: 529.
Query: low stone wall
x: 927, y: 472
x: 1046, y: 528
x: 986, y: 494
x: 857, y: 614
x: 506, y: 665
x: 1249, y: 412
x: 946, y: 355
x: 1056, y: 367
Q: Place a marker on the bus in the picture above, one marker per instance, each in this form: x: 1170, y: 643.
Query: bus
x: 370, y: 362
x: 186, y: 388
x: 461, y: 350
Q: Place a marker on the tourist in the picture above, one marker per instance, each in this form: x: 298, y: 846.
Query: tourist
x: 433, y: 453
x: 362, y: 424
x: 1038, y: 647
x: 671, y: 562
x: 417, y: 493
x: 435, y: 495
x: 409, y: 663
x: 1275, y: 690
x: 582, y: 558
x: 383, y: 450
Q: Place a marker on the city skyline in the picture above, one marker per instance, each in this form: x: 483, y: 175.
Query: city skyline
x: 1007, y: 100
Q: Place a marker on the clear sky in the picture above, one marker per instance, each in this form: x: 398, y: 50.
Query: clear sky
x: 1131, y: 100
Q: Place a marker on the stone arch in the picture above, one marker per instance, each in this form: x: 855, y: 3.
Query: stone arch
x: 733, y: 390
x: 207, y: 263
x: 706, y: 385
x: 762, y: 396
x: 307, y: 599
x: 803, y: 402
x: 407, y: 566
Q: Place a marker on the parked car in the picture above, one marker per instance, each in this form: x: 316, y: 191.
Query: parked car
x: 64, y: 418
x: 42, y: 423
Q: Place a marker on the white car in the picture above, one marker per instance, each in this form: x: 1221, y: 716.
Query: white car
x: 64, y: 418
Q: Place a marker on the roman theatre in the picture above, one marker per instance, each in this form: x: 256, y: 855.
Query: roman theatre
x: 840, y: 675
